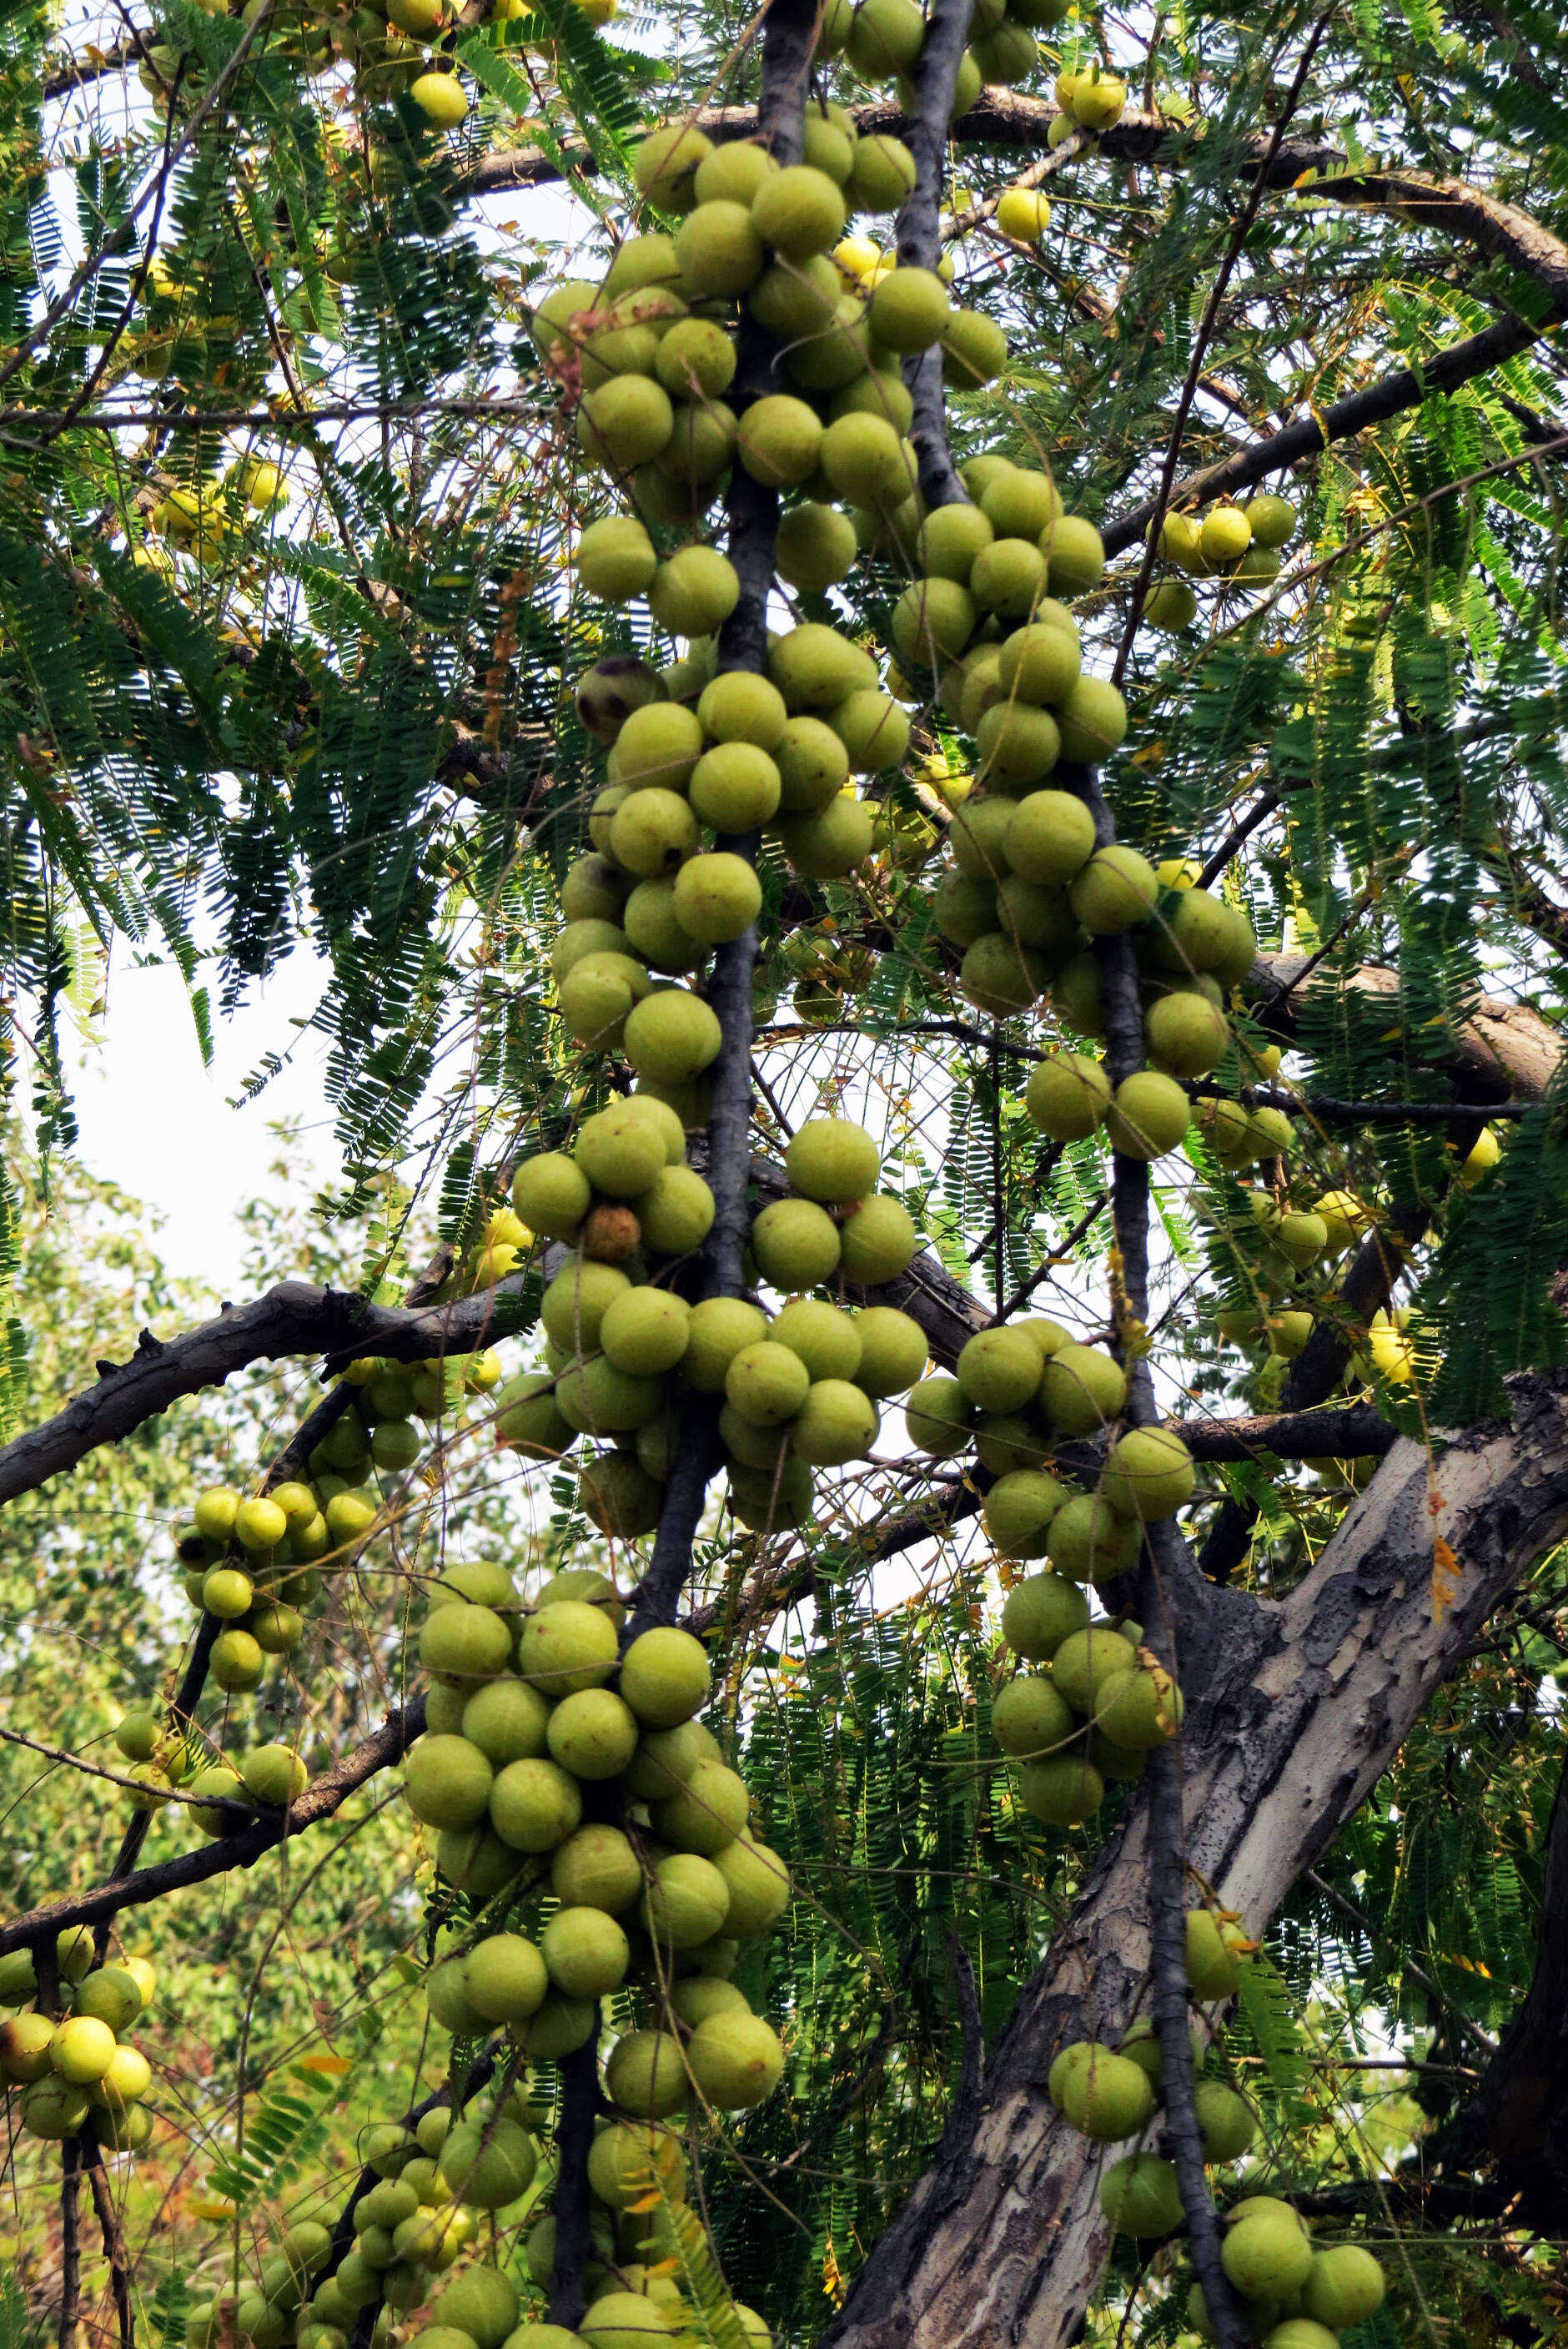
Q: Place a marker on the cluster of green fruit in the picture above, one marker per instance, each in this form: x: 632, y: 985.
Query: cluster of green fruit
x: 1091, y: 98
x: 256, y: 1561
x: 1237, y: 544
x: 434, y: 2186
x: 553, y: 1760
x: 1100, y: 1702
x: 1291, y: 2294
x: 79, y: 2066
x: 167, y: 1754
x: 625, y: 1347
x: 1027, y: 891
x: 1287, y: 1255
x: 643, y: 2236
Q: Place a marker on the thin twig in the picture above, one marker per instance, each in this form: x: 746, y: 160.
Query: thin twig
x: 1201, y: 344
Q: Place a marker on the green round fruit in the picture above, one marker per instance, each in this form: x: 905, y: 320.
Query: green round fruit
x: 1093, y: 721
x: 534, y: 1805
x: 719, y: 250
x: 766, y: 1384
x: 832, y: 1160
x: 951, y: 538
x: 1019, y: 745
x: 881, y: 173
x: 1061, y: 1792
x: 1171, y: 605
x: 825, y: 1341
x: 645, y: 2075
x: 1148, y: 1115
x: 704, y: 1813
x: 735, y: 2061
x: 1075, y: 553
x: 1272, y: 521
x: 1226, y: 2120
x: 827, y: 846
x: 616, y: 559
x: 932, y: 622
x: 687, y: 1903
x: 893, y: 1349
x: 274, y: 1774
x: 873, y: 730
x: 1089, y: 1542
x: 721, y: 1327
x: 1214, y: 1967
x: 565, y: 1646
x: 665, y: 1676
x: 780, y: 440
x: 1018, y: 502
x: 815, y: 667
x: 717, y: 897
x: 506, y: 1721
x: 460, y: 1644
x: 939, y: 1416
x: 1107, y: 2097
x: 799, y: 212
x: 1050, y: 837
x: 596, y: 1867
x: 909, y: 310
x: 974, y: 350
x: 506, y: 1980
x: 759, y: 1887
x: 999, y: 1369
x: 593, y: 1734
x: 675, y: 1210
x: 1029, y: 1719
x: 837, y: 1423
x: 1148, y: 1475
x: 814, y: 766
x: 694, y: 593
x: 1018, y: 1509
x: 816, y: 546
x: 1039, y: 1613
x: 1186, y: 1035
x: 1345, y: 2284
x: 586, y: 1951
x: 1115, y: 891
x: 1083, y: 1389
x: 672, y: 1036
x: 795, y: 1243
x: 1141, y: 2197
x: 1268, y: 2256
x: 447, y: 1780
x: 665, y: 162
x: 1068, y: 1096
x: 1085, y: 1662
x: 877, y: 1241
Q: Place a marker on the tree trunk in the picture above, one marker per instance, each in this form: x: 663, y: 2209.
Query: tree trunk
x: 1293, y: 1711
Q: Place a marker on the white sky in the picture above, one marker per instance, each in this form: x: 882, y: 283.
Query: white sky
x: 158, y: 1124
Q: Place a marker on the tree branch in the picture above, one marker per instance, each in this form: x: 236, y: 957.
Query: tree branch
x: 292, y: 1318
x: 243, y: 1849
x: 1293, y: 1712
x: 1405, y: 388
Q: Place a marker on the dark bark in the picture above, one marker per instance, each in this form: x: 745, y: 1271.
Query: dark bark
x: 572, y: 2201
x: 1343, y: 420
x: 935, y: 75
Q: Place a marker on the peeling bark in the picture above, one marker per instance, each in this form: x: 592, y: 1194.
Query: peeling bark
x: 1293, y: 1711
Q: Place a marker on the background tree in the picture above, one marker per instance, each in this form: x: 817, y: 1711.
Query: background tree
x: 297, y: 643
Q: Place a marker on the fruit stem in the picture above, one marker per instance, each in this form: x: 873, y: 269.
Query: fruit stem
x: 571, y: 2201
x: 1168, y: 1964
x: 935, y: 73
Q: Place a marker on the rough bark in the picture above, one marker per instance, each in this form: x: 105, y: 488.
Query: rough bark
x: 1292, y: 1711
x: 1504, y: 1050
